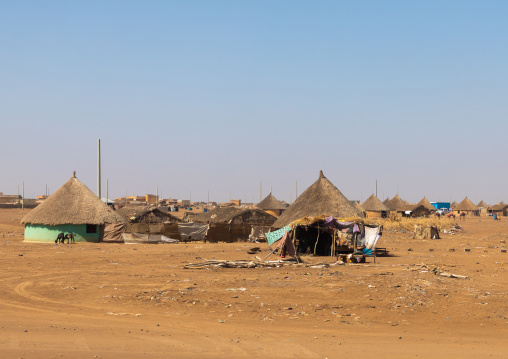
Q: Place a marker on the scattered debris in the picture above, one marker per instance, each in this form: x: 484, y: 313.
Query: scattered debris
x: 424, y: 268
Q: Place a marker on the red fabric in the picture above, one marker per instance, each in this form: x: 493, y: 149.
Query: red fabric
x: 286, y: 245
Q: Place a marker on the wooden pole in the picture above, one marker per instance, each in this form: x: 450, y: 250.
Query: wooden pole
x: 99, y: 168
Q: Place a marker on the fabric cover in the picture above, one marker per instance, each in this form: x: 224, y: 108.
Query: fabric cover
x: 257, y: 234
x: 371, y: 237
x: 193, y: 231
x: 272, y: 237
x: 137, y: 238
x: 165, y: 239
x: 113, y: 232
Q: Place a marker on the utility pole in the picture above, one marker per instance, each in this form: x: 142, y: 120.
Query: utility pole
x: 376, y: 188
x: 23, y: 198
x: 99, y: 168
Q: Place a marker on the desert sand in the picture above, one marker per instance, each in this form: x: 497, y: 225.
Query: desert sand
x: 103, y: 300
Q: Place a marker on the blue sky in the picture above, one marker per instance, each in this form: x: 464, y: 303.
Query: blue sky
x: 220, y: 96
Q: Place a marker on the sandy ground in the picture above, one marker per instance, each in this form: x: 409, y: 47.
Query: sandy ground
x: 137, y: 301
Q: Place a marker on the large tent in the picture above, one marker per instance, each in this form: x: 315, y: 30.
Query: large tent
x: 233, y: 223
x: 322, y: 198
x: 414, y: 210
x: 374, y: 208
x: 73, y: 208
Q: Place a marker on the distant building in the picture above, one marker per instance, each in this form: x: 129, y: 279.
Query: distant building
x: 441, y: 205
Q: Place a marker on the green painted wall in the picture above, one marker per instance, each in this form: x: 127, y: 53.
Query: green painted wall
x: 43, y: 233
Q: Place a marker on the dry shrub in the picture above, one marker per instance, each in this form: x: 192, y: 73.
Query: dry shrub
x: 408, y: 224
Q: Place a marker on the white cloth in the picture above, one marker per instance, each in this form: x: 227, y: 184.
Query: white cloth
x: 371, y: 237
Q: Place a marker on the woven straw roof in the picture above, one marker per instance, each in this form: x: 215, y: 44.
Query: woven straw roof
x: 408, y: 207
x: 395, y: 203
x: 322, y: 198
x: 373, y: 204
x: 73, y: 203
x: 498, y: 207
x: 425, y: 202
x: 270, y: 202
x: 482, y: 204
x: 454, y: 204
x: 386, y: 201
x: 139, y: 211
x: 466, y: 205
x: 358, y: 207
x: 226, y: 214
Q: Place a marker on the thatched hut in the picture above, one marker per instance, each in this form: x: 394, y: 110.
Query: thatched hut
x: 359, y: 208
x: 453, y: 204
x: 73, y: 208
x: 425, y: 203
x: 230, y: 224
x: 467, y: 207
x: 395, y: 203
x: 322, y: 198
x: 483, y: 208
x: 374, y: 208
x: 271, y: 205
x: 500, y: 209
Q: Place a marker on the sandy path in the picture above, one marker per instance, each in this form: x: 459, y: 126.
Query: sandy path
x: 130, y: 301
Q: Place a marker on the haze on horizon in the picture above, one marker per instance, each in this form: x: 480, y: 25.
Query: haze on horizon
x: 219, y: 96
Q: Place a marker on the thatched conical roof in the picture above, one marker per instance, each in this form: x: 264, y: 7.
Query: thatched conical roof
x: 227, y: 214
x: 373, y: 204
x: 454, y: 204
x: 466, y: 205
x: 358, y: 207
x: 73, y: 203
x: 482, y: 204
x: 135, y: 212
x: 395, y: 203
x: 322, y: 198
x: 386, y: 201
x: 270, y: 202
x: 425, y: 203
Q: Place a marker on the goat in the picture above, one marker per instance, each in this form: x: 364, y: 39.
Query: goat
x: 60, y: 238
x: 70, y: 238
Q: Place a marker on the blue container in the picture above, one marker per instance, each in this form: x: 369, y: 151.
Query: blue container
x: 205, y: 210
x: 495, y: 217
